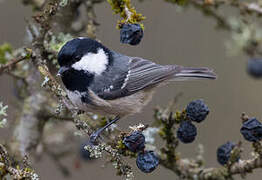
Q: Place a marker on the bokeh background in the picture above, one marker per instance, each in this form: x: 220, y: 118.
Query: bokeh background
x: 171, y: 37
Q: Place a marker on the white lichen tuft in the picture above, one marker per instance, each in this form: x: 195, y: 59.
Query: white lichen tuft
x: 95, y: 151
x: 95, y: 116
x: 59, y: 108
x: 241, y: 36
x: 138, y: 127
x: 34, y: 176
x: 46, y: 80
x: 3, y: 122
x: 63, y: 3
x: 112, y: 127
x: 130, y: 175
x: 149, y: 134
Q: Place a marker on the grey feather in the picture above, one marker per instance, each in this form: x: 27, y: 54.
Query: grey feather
x: 144, y: 73
x: 188, y: 73
x: 127, y: 75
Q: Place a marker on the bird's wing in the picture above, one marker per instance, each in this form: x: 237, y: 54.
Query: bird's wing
x: 139, y: 74
x: 143, y: 73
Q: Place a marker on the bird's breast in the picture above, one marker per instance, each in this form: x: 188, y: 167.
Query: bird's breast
x: 89, y: 102
x: 76, y: 98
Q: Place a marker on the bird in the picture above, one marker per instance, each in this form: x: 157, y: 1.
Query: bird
x: 109, y: 83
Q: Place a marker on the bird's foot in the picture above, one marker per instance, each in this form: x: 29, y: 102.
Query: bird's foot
x: 93, y: 137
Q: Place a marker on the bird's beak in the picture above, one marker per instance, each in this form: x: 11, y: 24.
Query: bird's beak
x: 61, y: 70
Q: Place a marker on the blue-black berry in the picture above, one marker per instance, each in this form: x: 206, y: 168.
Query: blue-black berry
x: 84, y: 154
x: 131, y: 34
x: 252, y: 130
x: 197, y: 110
x: 186, y: 132
x: 224, y: 152
x: 147, y: 161
x: 254, y: 67
x: 135, y: 142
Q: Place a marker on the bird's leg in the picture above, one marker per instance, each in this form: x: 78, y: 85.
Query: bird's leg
x: 96, y: 134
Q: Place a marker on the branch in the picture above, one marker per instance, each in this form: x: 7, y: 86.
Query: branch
x: 8, y: 67
x: 208, y: 11
x: 17, y: 172
x: 242, y: 6
x: 123, y: 169
x: 126, y: 11
x: 91, y: 24
x: 190, y: 169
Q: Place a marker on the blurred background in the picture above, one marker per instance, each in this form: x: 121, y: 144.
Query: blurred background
x: 171, y: 36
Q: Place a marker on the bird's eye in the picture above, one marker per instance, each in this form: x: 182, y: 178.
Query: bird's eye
x: 77, y: 58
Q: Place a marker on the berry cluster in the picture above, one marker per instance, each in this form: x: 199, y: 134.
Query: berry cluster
x: 135, y: 142
x: 146, y: 161
x: 196, y: 111
x: 254, y: 67
x: 252, y: 130
x: 224, y: 152
x: 131, y: 34
x: 186, y: 132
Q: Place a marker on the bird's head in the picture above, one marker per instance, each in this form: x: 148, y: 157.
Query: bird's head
x: 83, y: 54
x: 82, y: 58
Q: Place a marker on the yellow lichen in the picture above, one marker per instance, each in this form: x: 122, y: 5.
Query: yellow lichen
x: 127, y: 12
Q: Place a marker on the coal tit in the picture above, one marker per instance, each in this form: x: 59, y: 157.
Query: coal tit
x: 103, y: 81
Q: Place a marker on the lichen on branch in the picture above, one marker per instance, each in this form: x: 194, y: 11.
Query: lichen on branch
x: 126, y: 11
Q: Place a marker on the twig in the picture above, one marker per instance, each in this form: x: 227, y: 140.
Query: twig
x: 123, y: 169
x: 188, y: 169
x: 208, y: 11
x: 91, y: 24
x: 242, y: 6
x: 64, y: 118
x: 4, y: 155
x: 7, y: 67
x: 18, y: 172
x: 17, y: 77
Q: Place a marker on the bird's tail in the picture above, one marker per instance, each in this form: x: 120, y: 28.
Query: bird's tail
x: 188, y: 73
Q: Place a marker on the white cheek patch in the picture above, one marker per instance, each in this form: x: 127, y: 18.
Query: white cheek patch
x: 93, y: 63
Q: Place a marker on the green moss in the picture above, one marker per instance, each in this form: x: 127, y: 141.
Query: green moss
x: 28, y: 53
x: 235, y: 155
x: 120, y: 145
x: 162, y: 133
x: 103, y: 122
x: 178, y: 2
x: 180, y: 116
x: 118, y: 7
x: 5, y: 51
x: 57, y: 42
x: 257, y: 148
x: 122, y: 149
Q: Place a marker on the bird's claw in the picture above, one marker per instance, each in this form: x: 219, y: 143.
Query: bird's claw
x: 92, y: 139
